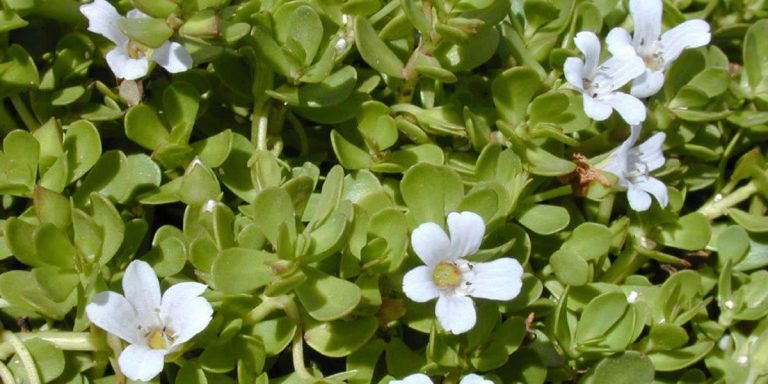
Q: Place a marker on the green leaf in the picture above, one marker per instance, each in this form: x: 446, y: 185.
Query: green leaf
x: 54, y: 247
x: 269, y: 49
x: 143, y: 126
x: 544, y: 219
x: 590, y: 241
x: 199, y: 184
x: 82, y: 144
x: 569, y: 268
x: 326, y: 297
x: 599, y: 316
x: 300, y: 22
x: 156, y: 8
x: 732, y: 245
x: 755, y: 51
x: 167, y: 257
x: 9, y: 21
x: 431, y: 192
x: 630, y: 367
x: 690, y: 232
x: 512, y: 91
x: 273, y: 208
x: 752, y: 223
x: 51, y: 207
x: 238, y: 270
x: 275, y: 333
x: 341, y: 337
x: 18, y: 72
x: 146, y: 30
x: 668, y: 361
x: 374, y: 51
x: 181, y: 101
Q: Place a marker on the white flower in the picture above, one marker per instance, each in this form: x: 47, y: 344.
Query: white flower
x: 657, y: 51
x: 633, y: 166
x: 153, y: 326
x: 599, y: 84
x: 129, y: 60
x: 420, y: 378
x: 451, y: 279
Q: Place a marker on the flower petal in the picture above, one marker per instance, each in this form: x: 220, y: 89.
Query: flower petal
x: 619, y: 42
x: 639, y: 200
x: 419, y: 286
x: 656, y: 188
x: 416, y: 378
x: 631, y: 109
x: 141, y: 363
x: 499, y: 279
x: 467, y: 230
x: 184, y: 311
x: 474, y: 379
x: 646, y: 14
x: 690, y: 34
x: 589, y: 45
x: 619, y: 70
x: 430, y: 243
x: 142, y: 290
x: 573, y: 68
x: 113, y: 313
x: 647, y: 84
x: 456, y: 314
x: 173, y: 57
x: 102, y: 19
x: 125, y: 67
x: 650, y: 152
x: 595, y: 109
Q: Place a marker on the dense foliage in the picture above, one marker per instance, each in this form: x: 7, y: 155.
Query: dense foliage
x: 300, y: 157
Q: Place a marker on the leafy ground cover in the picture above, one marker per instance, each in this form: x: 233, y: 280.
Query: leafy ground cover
x: 366, y: 191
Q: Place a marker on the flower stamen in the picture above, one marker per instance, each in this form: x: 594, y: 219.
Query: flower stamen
x: 447, y: 276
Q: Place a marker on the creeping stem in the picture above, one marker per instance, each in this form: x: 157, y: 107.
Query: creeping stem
x: 23, y: 353
x: 717, y: 208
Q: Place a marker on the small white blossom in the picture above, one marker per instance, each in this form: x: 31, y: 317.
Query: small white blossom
x: 632, y: 297
x: 154, y: 326
x: 600, y: 83
x: 633, y: 165
x: 130, y: 60
x: 420, y: 378
x: 657, y: 50
x: 451, y: 279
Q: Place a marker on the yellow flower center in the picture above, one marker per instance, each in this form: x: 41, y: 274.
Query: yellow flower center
x: 158, y: 339
x: 137, y: 51
x: 446, y: 276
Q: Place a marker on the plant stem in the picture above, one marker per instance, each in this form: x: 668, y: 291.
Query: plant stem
x: 26, y: 116
x: 26, y: 358
x: 297, y: 349
x: 563, y: 190
x: 264, y: 79
x: 261, y: 311
x: 717, y: 208
x: 5, y: 374
x: 66, y: 341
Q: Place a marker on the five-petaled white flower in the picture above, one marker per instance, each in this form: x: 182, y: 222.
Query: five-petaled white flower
x: 153, y: 326
x: 657, y: 50
x: 599, y: 83
x: 129, y: 59
x: 451, y: 279
x: 420, y: 378
x: 633, y: 166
